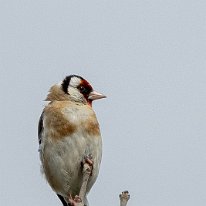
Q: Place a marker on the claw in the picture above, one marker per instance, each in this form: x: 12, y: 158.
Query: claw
x: 88, y: 159
x: 87, y: 164
x: 74, y: 201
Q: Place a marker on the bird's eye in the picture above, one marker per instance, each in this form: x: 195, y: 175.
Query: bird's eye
x: 83, y: 90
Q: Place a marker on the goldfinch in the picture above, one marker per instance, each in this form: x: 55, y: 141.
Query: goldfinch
x: 68, y: 132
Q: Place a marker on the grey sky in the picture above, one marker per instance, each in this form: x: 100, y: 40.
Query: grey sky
x: 148, y: 57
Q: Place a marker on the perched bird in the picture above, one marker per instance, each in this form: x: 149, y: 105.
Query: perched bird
x: 68, y: 132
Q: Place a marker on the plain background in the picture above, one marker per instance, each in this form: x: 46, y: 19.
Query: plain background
x: 148, y: 57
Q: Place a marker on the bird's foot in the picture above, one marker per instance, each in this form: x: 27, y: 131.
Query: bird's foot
x: 124, y: 197
x: 76, y: 201
x: 88, y: 164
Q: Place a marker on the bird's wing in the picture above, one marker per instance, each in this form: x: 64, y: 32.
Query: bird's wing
x: 40, y: 131
x: 40, y: 128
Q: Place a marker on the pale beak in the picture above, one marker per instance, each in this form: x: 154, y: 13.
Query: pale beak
x: 95, y: 95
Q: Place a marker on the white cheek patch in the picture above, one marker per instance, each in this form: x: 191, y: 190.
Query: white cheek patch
x: 72, y: 91
x: 75, y: 81
x: 75, y: 94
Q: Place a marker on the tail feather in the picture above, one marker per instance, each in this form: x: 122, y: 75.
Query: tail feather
x: 62, y: 200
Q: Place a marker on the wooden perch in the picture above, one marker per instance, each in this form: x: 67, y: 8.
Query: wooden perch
x: 124, y: 197
x: 87, y: 172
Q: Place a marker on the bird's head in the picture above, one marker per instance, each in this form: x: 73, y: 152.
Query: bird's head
x: 74, y: 88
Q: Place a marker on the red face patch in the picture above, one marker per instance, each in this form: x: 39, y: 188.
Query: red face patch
x: 85, y: 88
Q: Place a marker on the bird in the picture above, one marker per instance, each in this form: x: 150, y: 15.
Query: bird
x: 69, y: 133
